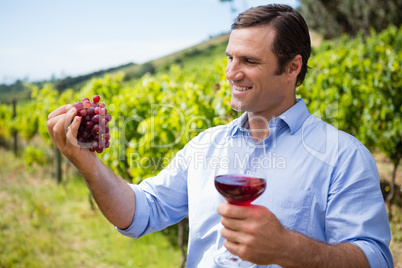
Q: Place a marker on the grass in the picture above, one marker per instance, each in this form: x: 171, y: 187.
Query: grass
x: 43, y: 224
x: 396, y: 243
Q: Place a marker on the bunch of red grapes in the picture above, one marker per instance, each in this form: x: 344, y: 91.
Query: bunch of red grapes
x: 93, y: 132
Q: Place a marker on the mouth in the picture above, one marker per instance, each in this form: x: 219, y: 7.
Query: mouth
x: 241, y: 88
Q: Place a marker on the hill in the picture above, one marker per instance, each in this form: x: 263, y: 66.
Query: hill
x: 206, y: 51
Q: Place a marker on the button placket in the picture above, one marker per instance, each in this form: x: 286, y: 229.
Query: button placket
x: 250, y: 169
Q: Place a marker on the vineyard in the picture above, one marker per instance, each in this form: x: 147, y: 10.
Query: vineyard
x: 354, y: 84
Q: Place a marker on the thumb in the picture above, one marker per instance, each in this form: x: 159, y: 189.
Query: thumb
x: 72, y: 130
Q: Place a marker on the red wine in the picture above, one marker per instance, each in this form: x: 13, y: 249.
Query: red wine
x: 239, y: 189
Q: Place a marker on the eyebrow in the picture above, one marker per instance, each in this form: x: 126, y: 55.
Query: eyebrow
x: 244, y: 57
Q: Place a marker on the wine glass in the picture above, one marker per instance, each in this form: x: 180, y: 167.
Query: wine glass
x: 239, y: 190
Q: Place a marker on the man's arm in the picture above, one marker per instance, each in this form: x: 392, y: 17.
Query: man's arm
x: 255, y: 234
x: 113, y: 195
x: 305, y: 252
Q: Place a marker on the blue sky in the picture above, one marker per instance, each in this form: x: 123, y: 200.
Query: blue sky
x: 67, y: 38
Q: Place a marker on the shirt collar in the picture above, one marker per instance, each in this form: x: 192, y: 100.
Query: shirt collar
x: 240, y: 125
x: 293, y: 117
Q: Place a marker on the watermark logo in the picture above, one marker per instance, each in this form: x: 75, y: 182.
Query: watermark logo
x: 138, y: 132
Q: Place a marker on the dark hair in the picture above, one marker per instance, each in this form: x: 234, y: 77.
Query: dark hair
x: 292, y: 35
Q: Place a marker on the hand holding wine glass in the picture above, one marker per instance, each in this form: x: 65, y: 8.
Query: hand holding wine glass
x: 238, y: 190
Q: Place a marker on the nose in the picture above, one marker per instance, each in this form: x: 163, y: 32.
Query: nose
x: 233, y: 71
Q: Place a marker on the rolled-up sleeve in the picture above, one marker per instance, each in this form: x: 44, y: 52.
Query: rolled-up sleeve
x: 356, y: 211
x: 377, y: 253
x: 141, y: 216
x: 161, y: 201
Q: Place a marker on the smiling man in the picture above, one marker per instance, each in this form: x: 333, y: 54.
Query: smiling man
x: 323, y: 205
x: 257, y: 85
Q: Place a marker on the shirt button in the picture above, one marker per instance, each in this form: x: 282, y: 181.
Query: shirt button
x: 248, y: 172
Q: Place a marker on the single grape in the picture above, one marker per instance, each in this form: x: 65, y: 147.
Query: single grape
x: 89, y: 124
x: 91, y: 111
x: 96, y: 128
x: 106, y: 143
x: 106, y: 136
x: 102, y: 129
x: 103, y: 111
x: 103, y: 122
x: 82, y: 113
x: 96, y: 118
x: 87, y: 104
x: 78, y: 106
x: 96, y: 98
x: 108, y: 117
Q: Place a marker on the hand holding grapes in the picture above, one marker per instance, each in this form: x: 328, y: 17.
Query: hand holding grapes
x: 74, y: 129
x: 66, y: 126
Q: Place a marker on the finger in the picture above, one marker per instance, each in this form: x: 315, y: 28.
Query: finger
x: 232, y: 224
x: 62, y: 123
x: 232, y: 211
x: 230, y: 235
x: 71, y: 113
x: 53, y: 121
x: 233, y: 248
x: 239, y: 250
x: 61, y: 110
x: 55, y: 116
x: 72, y: 130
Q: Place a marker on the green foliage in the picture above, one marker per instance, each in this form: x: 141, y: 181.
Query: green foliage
x: 34, y: 155
x: 357, y: 85
x: 6, y: 116
x: 333, y: 18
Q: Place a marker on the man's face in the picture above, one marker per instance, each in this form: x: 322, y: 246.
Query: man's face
x: 252, y: 73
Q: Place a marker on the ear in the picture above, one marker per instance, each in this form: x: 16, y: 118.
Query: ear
x: 294, y: 67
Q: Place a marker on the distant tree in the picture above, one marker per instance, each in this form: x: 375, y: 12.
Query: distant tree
x: 147, y: 67
x: 334, y: 17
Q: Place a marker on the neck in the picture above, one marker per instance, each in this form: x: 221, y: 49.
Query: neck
x: 259, y: 122
x: 258, y: 126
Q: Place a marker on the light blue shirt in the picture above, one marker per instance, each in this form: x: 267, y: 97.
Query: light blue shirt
x: 321, y: 182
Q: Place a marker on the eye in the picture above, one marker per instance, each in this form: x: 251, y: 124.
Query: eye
x: 250, y: 61
x: 229, y: 58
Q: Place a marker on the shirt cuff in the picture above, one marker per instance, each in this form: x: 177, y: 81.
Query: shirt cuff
x: 374, y: 255
x: 141, y: 217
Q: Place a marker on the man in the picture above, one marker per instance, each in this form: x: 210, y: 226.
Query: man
x: 322, y: 207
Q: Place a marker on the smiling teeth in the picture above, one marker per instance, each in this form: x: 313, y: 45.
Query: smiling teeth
x: 241, y: 88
